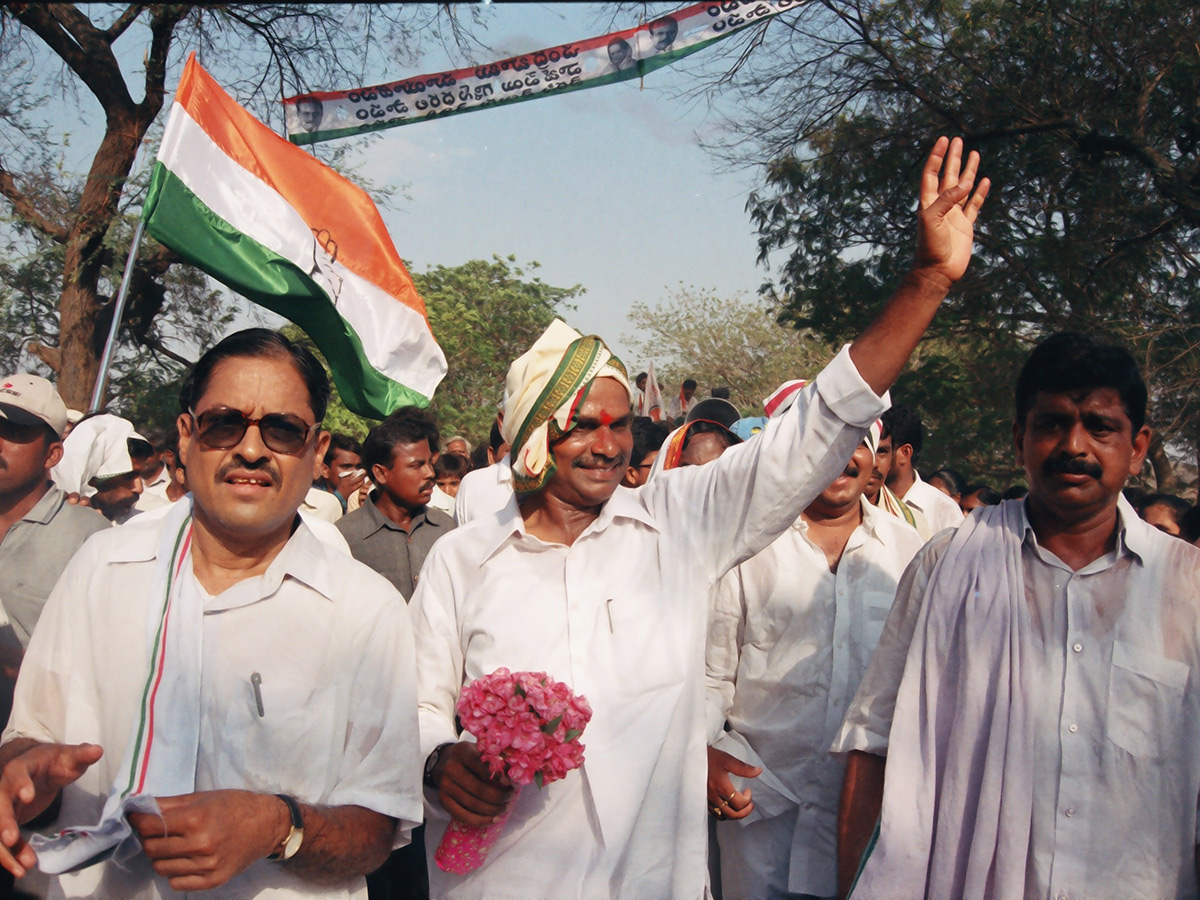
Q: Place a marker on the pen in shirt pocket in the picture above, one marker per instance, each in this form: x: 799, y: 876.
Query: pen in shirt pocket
x: 256, y: 683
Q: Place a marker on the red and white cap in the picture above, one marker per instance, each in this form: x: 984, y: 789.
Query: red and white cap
x: 29, y: 399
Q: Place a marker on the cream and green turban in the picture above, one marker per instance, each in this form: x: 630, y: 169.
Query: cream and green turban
x: 543, y: 389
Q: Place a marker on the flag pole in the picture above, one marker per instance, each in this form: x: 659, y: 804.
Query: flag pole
x: 110, y: 345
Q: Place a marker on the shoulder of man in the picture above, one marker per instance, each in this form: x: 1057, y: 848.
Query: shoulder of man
x: 439, y: 518
x: 81, y: 520
x: 356, y: 525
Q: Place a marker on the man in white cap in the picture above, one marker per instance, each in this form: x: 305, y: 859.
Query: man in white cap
x: 39, y: 530
x: 790, y: 636
x: 98, y: 464
x: 606, y: 588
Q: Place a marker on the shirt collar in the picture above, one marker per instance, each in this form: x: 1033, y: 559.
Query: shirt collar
x: 303, y: 557
x: 379, y: 520
x: 1132, y: 539
x: 624, y: 504
x: 47, y: 507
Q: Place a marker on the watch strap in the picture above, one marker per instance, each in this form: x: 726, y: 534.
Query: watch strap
x: 290, y: 844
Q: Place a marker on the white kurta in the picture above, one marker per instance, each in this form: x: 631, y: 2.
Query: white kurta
x: 939, y: 510
x: 332, y: 644
x: 788, y: 646
x: 621, y: 617
x: 1112, y: 777
x: 483, y: 492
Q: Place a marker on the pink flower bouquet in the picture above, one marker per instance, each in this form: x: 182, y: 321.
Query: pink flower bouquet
x: 526, y: 726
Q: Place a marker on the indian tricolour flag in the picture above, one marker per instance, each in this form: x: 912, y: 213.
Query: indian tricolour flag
x: 281, y: 228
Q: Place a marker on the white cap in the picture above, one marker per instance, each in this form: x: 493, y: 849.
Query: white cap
x: 29, y: 399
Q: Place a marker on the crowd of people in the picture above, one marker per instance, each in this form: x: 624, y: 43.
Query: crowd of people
x: 234, y: 653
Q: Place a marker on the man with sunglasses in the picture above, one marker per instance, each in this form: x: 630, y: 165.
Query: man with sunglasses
x: 242, y: 695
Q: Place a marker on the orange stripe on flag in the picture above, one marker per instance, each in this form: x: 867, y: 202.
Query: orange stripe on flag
x: 340, y: 213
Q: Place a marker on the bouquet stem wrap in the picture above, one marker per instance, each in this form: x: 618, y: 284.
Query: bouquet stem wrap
x: 527, y: 728
x: 463, y: 847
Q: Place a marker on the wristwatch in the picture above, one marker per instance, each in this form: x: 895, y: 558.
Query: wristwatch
x: 295, y: 837
x: 432, y: 761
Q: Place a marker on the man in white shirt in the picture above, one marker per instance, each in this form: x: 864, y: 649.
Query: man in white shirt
x: 791, y: 634
x: 1034, y: 690
x: 299, y: 684
x: 937, y: 511
x: 606, y: 589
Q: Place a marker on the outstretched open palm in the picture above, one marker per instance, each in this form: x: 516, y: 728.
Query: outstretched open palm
x: 946, y: 222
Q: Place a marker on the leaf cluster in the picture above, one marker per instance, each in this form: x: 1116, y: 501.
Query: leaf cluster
x: 1087, y: 115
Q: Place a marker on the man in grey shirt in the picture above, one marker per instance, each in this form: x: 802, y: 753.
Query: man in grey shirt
x: 39, y: 530
x: 393, y: 531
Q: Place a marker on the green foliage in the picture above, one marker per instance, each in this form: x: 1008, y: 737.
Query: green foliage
x: 1087, y: 115
x: 484, y: 315
x: 722, y: 341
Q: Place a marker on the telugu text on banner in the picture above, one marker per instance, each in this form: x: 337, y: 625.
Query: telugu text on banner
x: 620, y: 56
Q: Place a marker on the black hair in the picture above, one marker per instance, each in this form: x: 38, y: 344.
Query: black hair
x: 702, y: 426
x: 1015, y: 492
x: 721, y: 393
x: 407, y: 425
x: 255, y: 343
x: 689, y: 383
x: 451, y: 465
x: 957, y: 484
x: 479, y: 457
x: 339, y: 441
x: 495, y: 438
x: 1189, y: 525
x: 1070, y: 362
x: 987, y: 496
x: 648, y: 436
x: 1179, y: 508
x: 904, y: 425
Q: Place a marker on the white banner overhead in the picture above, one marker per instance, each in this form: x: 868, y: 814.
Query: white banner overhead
x: 620, y: 56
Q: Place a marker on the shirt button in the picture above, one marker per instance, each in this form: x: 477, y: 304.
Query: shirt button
x: 1072, y: 728
x: 1078, y: 648
x: 1070, y: 811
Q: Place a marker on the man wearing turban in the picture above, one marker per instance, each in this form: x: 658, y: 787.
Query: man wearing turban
x: 606, y: 589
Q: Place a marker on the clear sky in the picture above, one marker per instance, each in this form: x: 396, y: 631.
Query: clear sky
x: 606, y: 187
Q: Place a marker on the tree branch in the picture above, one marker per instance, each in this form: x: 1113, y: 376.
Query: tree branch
x: 80, y: 45
x: 123, y: 21
x: 25, y: 208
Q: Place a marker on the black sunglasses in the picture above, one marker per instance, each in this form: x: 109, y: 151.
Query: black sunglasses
x: 221, y: 428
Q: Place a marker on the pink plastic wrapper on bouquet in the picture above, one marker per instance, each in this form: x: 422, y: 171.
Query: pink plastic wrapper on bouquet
x: 463, y: 848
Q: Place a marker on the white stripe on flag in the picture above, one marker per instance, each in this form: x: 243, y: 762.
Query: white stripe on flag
x: 395, y: 337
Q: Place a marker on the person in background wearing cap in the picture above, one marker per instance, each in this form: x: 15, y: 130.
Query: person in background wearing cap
x: 39, y: 530
x: 606, y: 588
x: 97, y: 465
x: 790, y: 635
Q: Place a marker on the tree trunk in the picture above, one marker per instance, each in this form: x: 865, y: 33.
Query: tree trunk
x: 79, y: 308
x: 1164, y: 472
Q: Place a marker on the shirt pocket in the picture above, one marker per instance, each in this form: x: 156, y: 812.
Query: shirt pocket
x: 1145, y: 701
x: 289, y: 744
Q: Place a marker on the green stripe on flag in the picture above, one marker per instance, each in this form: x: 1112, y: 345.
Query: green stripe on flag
x: 177, y: 218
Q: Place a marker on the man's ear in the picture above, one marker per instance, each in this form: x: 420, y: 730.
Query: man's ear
x: 320, y: 470
x: 379, y: 473
x: 1141, y: 446
x: 53, y: 455
x: 903, y: 454
x: 184, y: 424
x: 1018, y: 431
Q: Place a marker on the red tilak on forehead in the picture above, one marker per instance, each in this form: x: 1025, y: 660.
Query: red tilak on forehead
x: 605, y: 418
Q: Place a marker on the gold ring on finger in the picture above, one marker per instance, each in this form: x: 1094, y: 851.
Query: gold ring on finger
x: 716, y: 811
x: 732, y: 794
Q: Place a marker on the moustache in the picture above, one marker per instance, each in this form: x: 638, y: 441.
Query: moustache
x: 1071, y: 465
x: 595, y: 461
x: 851, y: 471
x: 262, y: 467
